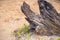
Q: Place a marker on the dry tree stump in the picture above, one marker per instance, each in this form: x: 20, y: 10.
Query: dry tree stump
x: 47, y: 23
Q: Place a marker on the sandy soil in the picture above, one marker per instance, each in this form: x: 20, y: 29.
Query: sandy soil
x: 11, y: 16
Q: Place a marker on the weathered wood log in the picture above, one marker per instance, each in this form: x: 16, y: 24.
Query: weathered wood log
x: 33, y: 18
x: 47, y: 23
x: 50, y: 16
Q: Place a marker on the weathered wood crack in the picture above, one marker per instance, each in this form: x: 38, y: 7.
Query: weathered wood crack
x: 47, y: 23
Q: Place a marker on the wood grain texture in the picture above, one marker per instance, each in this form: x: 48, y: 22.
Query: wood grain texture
x: 47, y: 23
